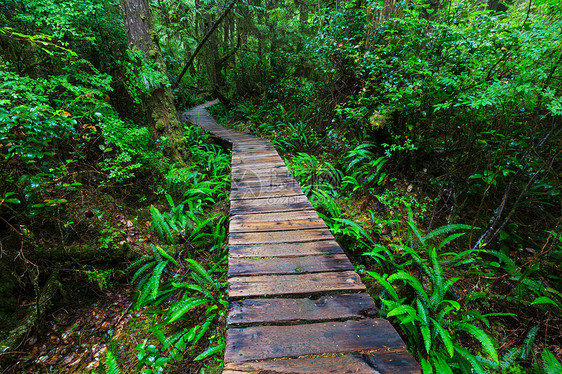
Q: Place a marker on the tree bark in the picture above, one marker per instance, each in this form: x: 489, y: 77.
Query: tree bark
x: 159, y: 104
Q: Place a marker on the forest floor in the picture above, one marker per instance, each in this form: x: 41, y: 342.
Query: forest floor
x: 92, y: 312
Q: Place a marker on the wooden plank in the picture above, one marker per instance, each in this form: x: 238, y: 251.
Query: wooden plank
x: 293, y: 236
x: 252, y: 194
x: 267, y: 161
x: 288, y: 265
x: 268, y: 177
x: 263, y: 187
x: 273, y: 200
x: 285, y: 249
x: 256, y: 169
x: 289, y: 224
x: 259, y: 166
x: 395, y: 361
x: 294, y: 284
x: 291, y: 310
x: 266, y: 342
x: 264, y: 182
x: 275, y: 216
x: 270, y: 208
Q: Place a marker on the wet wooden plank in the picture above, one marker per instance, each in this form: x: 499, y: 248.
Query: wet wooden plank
x: 285, y: 249
x: 241, y: 238
x: 259, y: 166
x: 305, y: 205
x: 291, y: 310
x: 264, y: 182
x: 263, y: 187
x: 271, y: 176
x: 288, y: 224
x: 275, y: 216
x: 274, y: 200
x: 395, y: 361
x: 256, y: 170
x: 294, y: 284
x: 266, y: 342
x: 252, y: 194
x: 274, y: 159
x: 288, y: 265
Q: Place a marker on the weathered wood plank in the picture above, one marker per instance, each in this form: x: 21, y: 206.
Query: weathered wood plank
x: 259, y: 166
x: 288, y: 265
x: 259, y: 187
x: 274, y: 200
x: 266, y: 342
x: 291, y: 310
x: 395, y: 361
x: 289, y: 224
x: 267, y: 171
x: 235, y: 161
x: 241, y: 238
x: 305, y: 205
x: 285, y: 249
x: 275, y: 216
x: 263, y: 183
x: 294, y: 284
x: 252, y: 194
x: 268, y: 177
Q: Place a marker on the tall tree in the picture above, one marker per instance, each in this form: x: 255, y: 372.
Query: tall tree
x: 158, y: 102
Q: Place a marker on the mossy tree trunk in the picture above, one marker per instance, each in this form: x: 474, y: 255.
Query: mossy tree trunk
x: 159, y: 104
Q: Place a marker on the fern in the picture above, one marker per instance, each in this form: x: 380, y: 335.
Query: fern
x: 180, y: 308
x: 445, y: 337
x: 475, y: 366
x: 447, y: 228
x: 210, y: 351
x: 111, y: 364
x: 551, y: 364
x: 483, y: 338
x: 204, y: 275
x: 528, y: 342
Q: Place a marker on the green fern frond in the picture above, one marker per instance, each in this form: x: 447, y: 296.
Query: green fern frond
x: 427, y: 368
x: 383, y: 282
x: 447, y: 228
x: 154, y: 282
x: 411, y: 280
x: 167, y: 256
x: 551, y: 363
x: 445, y: 337
x: 142, y: 270
x: 441, y: 366
x: 210, y: 351
x: 475, y: 366
x: 483, y: 338
x: 204, y: 274
x: 111, y: 364
x: 178, y: 309
x: 510, y: 356
x: 529, y: 341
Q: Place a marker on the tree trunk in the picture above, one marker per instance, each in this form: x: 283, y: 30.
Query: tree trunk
x: 159, y: 104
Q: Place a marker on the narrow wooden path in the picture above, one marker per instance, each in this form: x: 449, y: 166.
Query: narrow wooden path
x: 296, y: 303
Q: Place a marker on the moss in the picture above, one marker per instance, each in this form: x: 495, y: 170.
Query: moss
x: 160, y: 126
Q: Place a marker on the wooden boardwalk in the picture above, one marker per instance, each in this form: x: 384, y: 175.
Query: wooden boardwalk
x: 296, y: 303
